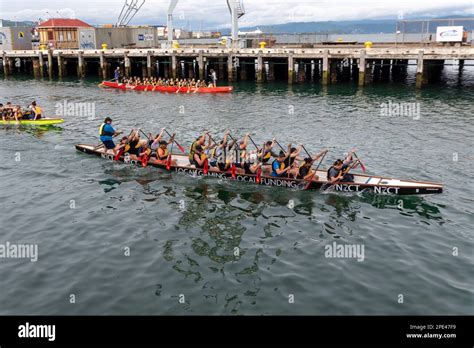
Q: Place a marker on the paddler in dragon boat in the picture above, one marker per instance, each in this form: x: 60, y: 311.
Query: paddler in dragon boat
x: 278, y: 165
x: 245, y: 161
x: 304, y: 170
x: 218, y: 158
x: 199, y: 157
x: 200, y: 142
x: 130, y: 145
x: 160, y: 148
x: 265, y: 154
x: 339, y: 171
x: 292, y: 159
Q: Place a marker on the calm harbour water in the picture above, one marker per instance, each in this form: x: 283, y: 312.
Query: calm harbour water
x: 182, y: 232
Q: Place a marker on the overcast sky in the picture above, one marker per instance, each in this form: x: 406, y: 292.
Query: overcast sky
x: 214, y: 13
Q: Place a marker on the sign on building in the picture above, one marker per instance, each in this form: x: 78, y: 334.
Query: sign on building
x: 145, y: 37
x: 449, y: 34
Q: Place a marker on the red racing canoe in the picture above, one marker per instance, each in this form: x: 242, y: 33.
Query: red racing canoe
x: 168, y: 89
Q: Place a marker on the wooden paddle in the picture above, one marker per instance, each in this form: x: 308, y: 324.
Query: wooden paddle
x: 233, y: 168
x: 144, y: 159
x: 360, y: 162
x: 253, y: 142
x: 310, y: 180
x: 175, y: 142
x: 168, y: 161
x: 304, y: 148
x: 258, y: 178
x: 281, y: 147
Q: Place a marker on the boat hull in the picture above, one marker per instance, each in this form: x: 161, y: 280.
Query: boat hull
x: 168, y: 89
x: 40, y: 122
x: 363, y: 183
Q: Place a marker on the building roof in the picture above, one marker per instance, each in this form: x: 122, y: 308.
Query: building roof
x: 63, y: 22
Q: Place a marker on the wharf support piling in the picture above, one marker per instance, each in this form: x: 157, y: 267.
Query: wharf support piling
x: 324, y: 64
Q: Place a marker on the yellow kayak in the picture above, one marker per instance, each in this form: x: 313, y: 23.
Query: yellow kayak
x: 40, y: 122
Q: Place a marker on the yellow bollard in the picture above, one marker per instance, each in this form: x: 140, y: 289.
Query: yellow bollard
x: 368, y: 44
x: 262, y: 44
x: 104, y: 46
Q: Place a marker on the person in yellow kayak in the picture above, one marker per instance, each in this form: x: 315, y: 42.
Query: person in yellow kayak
x: 35, y: 111
x: 10, y: 112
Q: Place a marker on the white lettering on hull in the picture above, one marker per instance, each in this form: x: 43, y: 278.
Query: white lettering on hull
x: 348, y: 187
x: 384, y: 190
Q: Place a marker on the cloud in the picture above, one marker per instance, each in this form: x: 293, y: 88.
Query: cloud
x: 206, y: 14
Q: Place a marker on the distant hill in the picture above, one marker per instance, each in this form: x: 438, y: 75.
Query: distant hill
x: 7, y: 23
x: 351, y: 27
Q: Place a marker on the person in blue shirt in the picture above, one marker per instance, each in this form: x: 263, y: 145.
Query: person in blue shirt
x: 278, y: 165
x: 107, y: 132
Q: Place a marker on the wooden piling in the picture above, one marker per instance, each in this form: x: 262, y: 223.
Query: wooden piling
x: 126, y: 61
x: 103, y: 65
x: 60, y: 66
x: 325, y: 76
x: 36, y: 67
x: 149, y: 64
x: 419, y: 70
x: 230, y: 68
x: 259, y: 67
x: 50, y: 63
x: 362, y: 64
x: 271, y: 71
x: 5, y: 65
x: 291, y: 67
x: 201, y: 64
x: 41, y: 63
x: 80, y: 65
x: 173, y: 65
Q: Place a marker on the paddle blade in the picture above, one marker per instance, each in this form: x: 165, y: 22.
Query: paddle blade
x: 233, y: 170
x: 362, y: 166
x: 118, y: 155
x: 258, y: 178
x: 308, y: 184
x: 168, y: 163
x: 206, y: 166
x: 144, y: 160
x: 179, y: 147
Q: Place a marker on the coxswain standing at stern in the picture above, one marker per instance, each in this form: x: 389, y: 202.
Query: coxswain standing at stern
x: 107, y: 132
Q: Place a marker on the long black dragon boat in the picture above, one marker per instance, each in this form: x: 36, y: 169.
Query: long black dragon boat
x: 361, y: 183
